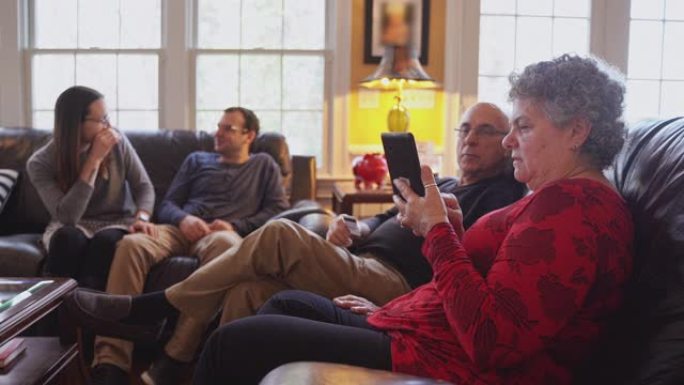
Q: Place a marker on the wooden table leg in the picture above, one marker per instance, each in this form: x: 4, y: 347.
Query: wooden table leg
x: 347, y: 207
x: 71, y: 333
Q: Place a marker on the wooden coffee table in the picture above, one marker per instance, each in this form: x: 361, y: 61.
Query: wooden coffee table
x: 45, y: 357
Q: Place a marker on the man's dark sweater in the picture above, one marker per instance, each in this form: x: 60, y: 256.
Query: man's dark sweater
x: 401, y: 248
x: 246, y: 195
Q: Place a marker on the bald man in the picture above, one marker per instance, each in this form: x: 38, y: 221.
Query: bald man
x: 383, y: 263
x: 480, y: 155
x: 485, y: 165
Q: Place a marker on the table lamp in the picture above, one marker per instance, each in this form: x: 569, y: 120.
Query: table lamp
x: 399, y: 69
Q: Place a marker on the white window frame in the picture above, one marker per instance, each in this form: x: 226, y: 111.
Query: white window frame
x: 608, y: 39
x: 176, y: 72
x: 13, y: 99
x: 327, y: 53
x: 661, y: 78
x: 521, y: 19
x: 178, y: 81
x: 30, y: 52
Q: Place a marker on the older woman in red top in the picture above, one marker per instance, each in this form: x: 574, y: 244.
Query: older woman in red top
x: 517, y: 299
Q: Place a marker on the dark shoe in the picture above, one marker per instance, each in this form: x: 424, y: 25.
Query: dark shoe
x: 108, y: 374
x: 105, y: 313
x: 164, y: 371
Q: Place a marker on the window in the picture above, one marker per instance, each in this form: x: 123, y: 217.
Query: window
x: 655, y: 72
x: 112, y: 46
x: 266, y: 55
x: 515, y: 33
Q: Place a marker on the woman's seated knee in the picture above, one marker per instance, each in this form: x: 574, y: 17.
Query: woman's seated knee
x: 67, y: 233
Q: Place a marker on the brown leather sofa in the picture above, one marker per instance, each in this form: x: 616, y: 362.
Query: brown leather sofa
x: 24, y: 217
x: 642, y: 344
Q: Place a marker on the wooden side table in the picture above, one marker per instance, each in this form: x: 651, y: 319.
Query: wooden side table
x: 46, y: 359
x: 345, y: 195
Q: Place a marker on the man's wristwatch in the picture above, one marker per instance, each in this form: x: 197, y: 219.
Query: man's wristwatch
x: 144, y: 217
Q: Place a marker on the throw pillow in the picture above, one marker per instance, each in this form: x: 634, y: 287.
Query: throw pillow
x: 8, y: 178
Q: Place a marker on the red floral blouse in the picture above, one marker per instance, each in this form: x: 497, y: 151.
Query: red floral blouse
x: 520, y: 299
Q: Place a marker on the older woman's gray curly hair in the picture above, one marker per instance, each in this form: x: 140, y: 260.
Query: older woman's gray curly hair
x: 573, y: 87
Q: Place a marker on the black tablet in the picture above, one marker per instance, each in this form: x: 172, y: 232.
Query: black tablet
x: 402, y: 159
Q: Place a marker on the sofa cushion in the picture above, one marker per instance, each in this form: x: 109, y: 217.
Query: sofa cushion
x: 24, y: 212
x: 644, y: 342
x: 650, y: 176
x: 8, y: 178
x: 274, y: 144
x: 162, y: 152
x: 21, y: 255
x: 170, y: 271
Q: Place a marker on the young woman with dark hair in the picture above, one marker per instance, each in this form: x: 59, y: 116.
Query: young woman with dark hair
x: 93, y: 184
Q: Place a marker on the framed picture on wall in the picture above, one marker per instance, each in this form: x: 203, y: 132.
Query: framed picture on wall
x: 396, y: 22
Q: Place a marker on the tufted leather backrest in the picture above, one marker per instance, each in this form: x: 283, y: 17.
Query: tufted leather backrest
x: 162, y: 153
x: 644, y: 343
x: 649, y: 173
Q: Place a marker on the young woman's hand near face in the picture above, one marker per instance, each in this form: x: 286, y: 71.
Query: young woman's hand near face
x: 101, y: 146
x: 103, y: 143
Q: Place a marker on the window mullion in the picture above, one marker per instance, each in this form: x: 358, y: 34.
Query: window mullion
x: 282, y: 65
x: 662, y: 62
x: 175, y: 68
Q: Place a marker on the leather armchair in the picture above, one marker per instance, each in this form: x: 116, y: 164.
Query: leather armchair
x: 644, y: 342
x: 162, y: 152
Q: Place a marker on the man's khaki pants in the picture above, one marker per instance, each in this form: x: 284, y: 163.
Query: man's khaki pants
x: 280, y: 255
x: 135, y: 255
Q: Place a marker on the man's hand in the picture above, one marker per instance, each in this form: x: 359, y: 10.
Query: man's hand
x: 358, y: 305
x: 193, y: 228
x: 338, y: 233
x: 145, y: 228
x: 219, y: 225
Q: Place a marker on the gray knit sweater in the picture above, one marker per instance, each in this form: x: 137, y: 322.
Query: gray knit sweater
x: 246, y: 195
x: 112, y: 202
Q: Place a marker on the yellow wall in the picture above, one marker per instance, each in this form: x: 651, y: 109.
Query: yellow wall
x: 365, y: 125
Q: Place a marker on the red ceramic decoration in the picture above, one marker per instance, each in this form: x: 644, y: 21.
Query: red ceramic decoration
x: 370, y: 169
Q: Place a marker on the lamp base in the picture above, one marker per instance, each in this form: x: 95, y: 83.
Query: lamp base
x: 398, y: 117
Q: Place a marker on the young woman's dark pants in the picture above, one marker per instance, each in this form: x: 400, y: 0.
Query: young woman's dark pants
x: 73, y: 255
x: 292, y: 326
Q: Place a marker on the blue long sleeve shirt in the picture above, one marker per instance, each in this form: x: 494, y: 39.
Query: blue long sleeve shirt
x: 244, y: 195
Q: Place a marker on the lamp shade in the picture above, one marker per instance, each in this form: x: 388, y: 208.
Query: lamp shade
x: 399, y: 68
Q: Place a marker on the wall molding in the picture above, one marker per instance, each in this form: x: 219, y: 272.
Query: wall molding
x: 12, y: 93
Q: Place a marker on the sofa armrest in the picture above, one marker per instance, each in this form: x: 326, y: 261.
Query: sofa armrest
x: 303, y: 178
x: 169, y: 272
x: 316, y: 373
x: 295, y: 214
x: 310, y: 215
